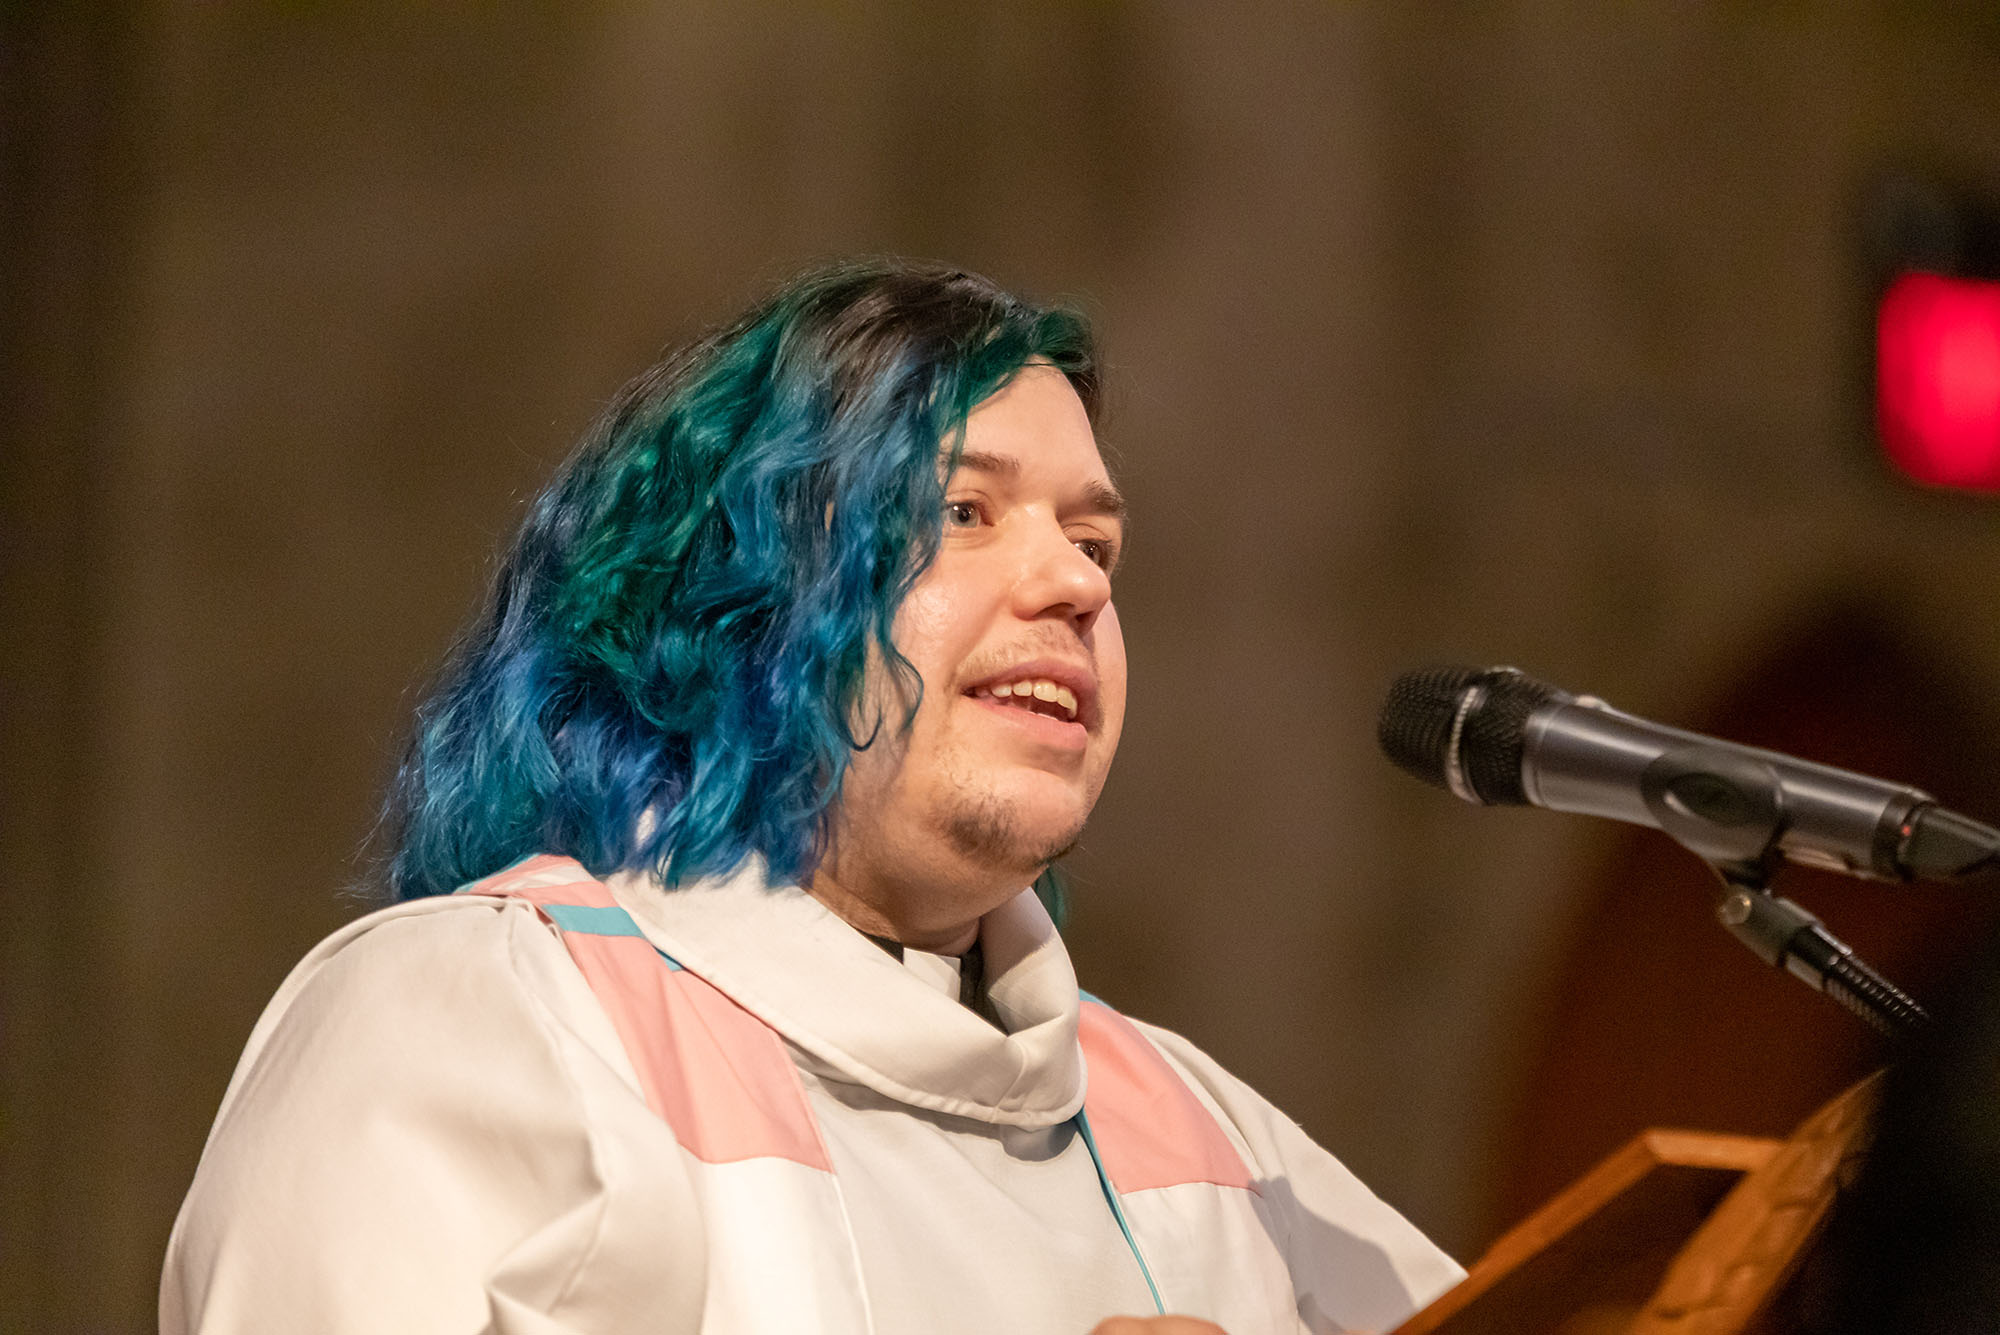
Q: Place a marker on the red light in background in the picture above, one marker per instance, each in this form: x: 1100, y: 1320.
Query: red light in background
x: 1937, y: 379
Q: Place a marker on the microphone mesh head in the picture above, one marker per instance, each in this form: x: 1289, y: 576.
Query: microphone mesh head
x: 1496, y: 735
x: 1415, y: 727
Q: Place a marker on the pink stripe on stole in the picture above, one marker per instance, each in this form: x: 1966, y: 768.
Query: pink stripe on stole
x: 1151, y: 1130
x: 718, y: 1075
x: 545, y: 879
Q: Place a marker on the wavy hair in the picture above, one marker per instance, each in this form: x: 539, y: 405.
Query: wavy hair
x: 667, y: 671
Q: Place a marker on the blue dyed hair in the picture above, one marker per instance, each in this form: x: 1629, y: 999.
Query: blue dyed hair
x: 667, y: 672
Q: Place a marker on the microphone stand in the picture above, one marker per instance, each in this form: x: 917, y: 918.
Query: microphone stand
x: 1728, y: 809
x: 1787, y: 937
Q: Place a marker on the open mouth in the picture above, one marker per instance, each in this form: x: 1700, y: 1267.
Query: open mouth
x: 1037, y: 695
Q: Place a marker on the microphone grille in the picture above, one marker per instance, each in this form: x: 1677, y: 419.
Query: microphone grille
x: 1415, y: 727
x: 1417, y: 720
x: 1496, y: 736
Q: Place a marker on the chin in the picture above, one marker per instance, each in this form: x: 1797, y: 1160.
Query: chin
x: 1020, y: 832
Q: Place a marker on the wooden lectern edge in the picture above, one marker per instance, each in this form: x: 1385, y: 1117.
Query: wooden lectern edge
x: 1613, y: 1175
x: 1752, y: 1243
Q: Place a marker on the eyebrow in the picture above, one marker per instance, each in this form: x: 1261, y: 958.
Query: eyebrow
x: 1100, y: 497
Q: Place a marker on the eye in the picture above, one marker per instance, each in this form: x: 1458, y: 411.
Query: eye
x: 961, y: 514
x: 1102, y: 552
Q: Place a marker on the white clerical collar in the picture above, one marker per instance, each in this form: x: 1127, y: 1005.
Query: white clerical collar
x: 895, y: 1027
x: 938, y: 972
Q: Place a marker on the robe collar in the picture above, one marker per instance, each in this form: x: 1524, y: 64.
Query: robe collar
x: 866, y: 1018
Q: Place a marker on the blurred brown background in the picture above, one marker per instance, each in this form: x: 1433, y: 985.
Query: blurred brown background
x: 1507, y: 332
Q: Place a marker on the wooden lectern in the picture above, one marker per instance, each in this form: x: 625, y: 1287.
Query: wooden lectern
x: 1677, y: 1233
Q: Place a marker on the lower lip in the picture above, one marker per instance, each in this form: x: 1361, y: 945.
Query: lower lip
x: 1052, y: 732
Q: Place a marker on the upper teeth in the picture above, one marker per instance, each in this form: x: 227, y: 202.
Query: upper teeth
x: 1039, y: 687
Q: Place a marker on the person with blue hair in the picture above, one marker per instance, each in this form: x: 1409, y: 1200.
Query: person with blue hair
x: 717, y: 994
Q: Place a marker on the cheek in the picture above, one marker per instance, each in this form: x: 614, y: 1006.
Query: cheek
x: 928, y: 631
x: 1108, y: 643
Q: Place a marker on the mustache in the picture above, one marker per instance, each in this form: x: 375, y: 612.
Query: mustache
x: 1050, y: 640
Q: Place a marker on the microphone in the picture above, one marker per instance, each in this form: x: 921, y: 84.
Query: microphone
x: 1496, y: 736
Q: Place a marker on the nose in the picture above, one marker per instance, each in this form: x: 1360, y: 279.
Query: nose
x: 1058, y: 581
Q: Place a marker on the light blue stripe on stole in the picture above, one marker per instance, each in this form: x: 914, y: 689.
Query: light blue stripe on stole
x: 599, y: 920
x: 592, y: 920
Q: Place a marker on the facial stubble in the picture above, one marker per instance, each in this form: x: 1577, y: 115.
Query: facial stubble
x: 983, y: 826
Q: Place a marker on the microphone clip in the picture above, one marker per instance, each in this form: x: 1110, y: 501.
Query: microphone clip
x: 1786, y: 936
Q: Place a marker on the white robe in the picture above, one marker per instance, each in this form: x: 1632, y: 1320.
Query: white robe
x: 436, y: 1127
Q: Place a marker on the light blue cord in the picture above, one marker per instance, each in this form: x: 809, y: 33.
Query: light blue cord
x: 1118, y: 1210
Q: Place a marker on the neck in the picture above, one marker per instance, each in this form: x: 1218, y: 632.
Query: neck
x: 866, y: 915
x: 942, y: 918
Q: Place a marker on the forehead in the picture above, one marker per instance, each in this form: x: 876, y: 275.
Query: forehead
x: 1034, y: 429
